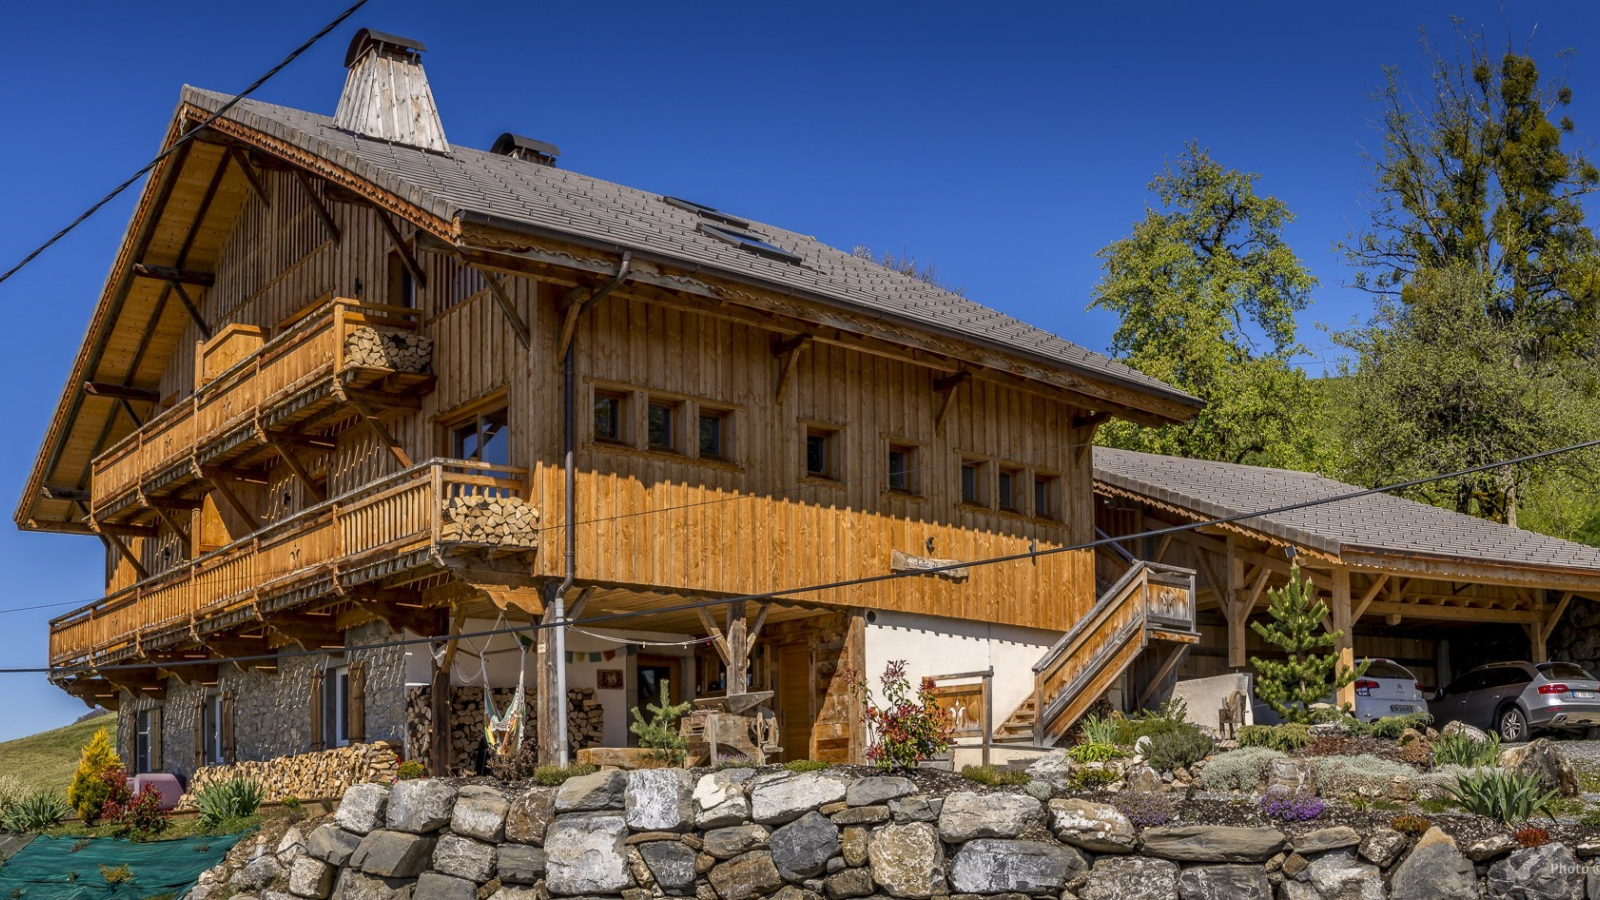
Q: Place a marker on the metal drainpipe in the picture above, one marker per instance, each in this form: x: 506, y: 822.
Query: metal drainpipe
x: 559, y: 609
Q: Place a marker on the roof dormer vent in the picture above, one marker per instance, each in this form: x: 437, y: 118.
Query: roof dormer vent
x: 526, y: 149
x: 386, y: 95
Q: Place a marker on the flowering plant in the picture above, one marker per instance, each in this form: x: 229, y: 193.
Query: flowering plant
x: 1291, y: 807
x: 907, y: 727
x: 142, y: 815
x: 1146, y: 808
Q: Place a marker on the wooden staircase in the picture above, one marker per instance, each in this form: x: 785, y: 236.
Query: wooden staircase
x: 1019, y: 725
x: 1151, y: 602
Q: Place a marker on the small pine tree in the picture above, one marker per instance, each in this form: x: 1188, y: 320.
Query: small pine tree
x: 89, y: 790
x: 1312, y: 672
x: 661, y: 731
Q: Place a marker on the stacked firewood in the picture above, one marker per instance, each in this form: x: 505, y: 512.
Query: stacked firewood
x: 586, y: 725
x: 507, y: 521
x: 308, y: 776
x: 401, y: 351
x: 585, y: 721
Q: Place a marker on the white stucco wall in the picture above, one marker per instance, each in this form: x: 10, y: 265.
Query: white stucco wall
x: 932, y: 645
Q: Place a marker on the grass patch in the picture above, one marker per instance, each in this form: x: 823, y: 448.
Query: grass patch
x: 989, y: 775
x: 805, y: 765
x: 46, y: 761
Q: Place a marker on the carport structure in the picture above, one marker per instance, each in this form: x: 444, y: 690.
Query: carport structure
x: 1378, y: 560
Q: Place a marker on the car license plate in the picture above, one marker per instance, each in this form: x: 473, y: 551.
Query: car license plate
x: 1400, y: 707
x: 1583, y: 695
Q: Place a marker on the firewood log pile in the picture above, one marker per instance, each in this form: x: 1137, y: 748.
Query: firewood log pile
x: 308, y: 776
x: 585, y: 721
x: 401, y: 351
x: 507, y: 521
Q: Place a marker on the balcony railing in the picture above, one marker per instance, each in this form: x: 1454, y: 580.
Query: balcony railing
x: 333, y: 337
x: 372, y: 532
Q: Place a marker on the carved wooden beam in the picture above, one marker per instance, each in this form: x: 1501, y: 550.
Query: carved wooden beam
x: 54, y: 492
x: 120, y: 392
x: 175, y: 276
x: 572, y: 307
x: 1097, y: 418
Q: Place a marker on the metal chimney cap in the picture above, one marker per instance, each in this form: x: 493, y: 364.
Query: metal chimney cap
x: 515, y: 145
x: 367, y: 38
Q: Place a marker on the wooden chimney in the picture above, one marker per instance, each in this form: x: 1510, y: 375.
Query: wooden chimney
x: 386, y: 95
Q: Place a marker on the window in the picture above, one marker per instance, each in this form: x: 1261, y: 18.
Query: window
x: 1044, y: 496
x: 900, y: 468
x: 211, y: 728
x: 608, y: 417
x: 663, y: 430
x: 402, y: 286
x: 714, y: 434
x: 821, y: 453
x: 754, y: 243
x: 1008, y: 489
x: 483, y: 438
x: 972, y: 481
x: 336, y: 707
x: 141, y: 741
x: 706, y: 212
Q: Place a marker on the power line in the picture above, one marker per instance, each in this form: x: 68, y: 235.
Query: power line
x: 183, y: 139
x: 828, y: 586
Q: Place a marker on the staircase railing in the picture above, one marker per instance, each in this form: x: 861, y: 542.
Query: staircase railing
x: 1078, y: 668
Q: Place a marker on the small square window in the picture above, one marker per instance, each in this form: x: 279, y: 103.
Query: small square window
x: 972, y: 482
x: 1008, y: 489
x: 608, y: 417
x: 713, y: 434
x: 663, y: 426
x: 900, y: 468
x: 821, y: 453
x: 1044, y: 496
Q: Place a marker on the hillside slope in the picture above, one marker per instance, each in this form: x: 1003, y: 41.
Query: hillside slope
x: 48, y: 759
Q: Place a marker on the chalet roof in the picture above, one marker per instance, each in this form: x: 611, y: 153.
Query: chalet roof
x: 469, y: 183
x: 1375, y: 525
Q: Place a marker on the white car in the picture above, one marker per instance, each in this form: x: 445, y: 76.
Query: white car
x: 1387, y: 688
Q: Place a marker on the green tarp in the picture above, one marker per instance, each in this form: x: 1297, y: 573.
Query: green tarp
x: 52, y: 868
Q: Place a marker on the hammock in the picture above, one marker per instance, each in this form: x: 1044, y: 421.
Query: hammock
x: 504, y: 731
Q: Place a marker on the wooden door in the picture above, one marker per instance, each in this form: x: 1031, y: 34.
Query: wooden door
x: 794, y: 700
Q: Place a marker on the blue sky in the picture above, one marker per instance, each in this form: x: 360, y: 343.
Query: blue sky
x: 1006, y: 143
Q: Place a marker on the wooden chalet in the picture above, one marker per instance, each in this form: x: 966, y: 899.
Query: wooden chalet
x: 349, y: 383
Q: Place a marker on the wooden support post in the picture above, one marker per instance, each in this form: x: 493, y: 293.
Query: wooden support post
x: 192, y: 307
x: 407, y: 258
x: 121, y: 547
x: 508, y: 308
x: 544, y: 688
x: 382, y: 433
x: 439, y: 699
x: 788, y: 354
x: 738, y: 649
x: 1344, y: 623
x: 132, y: 415
x: 946, y: 389
x: 120, y: 392
x: 318, y: 205
x: 256, y: 187
x: 1369, y: 596
x: 718, y: 640
x: 165, y: 515
x: 220, y: 484
x: 1236, y: 614
x: 1174, y: 656
x: 293, y: 463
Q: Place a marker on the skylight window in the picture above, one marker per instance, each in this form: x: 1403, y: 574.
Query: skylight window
x: 752, y: 242
x: 704, y: 211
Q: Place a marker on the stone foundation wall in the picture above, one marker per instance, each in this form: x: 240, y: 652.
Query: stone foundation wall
x: 308, y: 776
x: 739, y: 834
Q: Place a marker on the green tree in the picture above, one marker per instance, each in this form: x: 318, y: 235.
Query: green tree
x: 1206, y: 291
x: 1473, y: 172
x: 89, y: 790
x: 1311, y: 672
x: 660, y: 731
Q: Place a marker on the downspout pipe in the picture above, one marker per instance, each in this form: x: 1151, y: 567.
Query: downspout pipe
x: 558, y: 610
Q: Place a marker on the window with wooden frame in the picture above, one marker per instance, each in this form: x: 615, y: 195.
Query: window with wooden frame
x: 611, y: 417
x: 822, y: 452
x: 715, y: 436
x: 1046, y: 495
x: 974, y: 490
x: 208, y: 741
x: 483, y: 437
x: 901, y: 476
x: 1008, y: 483
x: 663, y: 425
x: 144, y: 738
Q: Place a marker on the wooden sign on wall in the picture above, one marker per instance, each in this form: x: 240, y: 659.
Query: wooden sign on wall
x: 906, y: 562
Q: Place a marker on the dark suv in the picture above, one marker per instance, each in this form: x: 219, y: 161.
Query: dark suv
x: 1514, y: 698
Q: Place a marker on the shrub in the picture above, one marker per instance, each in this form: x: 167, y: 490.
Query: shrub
x: 660, y: 732
x: 1410, y: 824
x: 1180, y: 748
x: 38, y: 811
x: 1091, y: 779
x: 1502, y: 795
x: 1532, y: 837
x: 1391, y: 727
x: 88, y: 792
x: 554, y: 776
x: 412, y: 769
x: 1312, y: 670
x: 1287, y: 807
x: 805, y: 765
x: 1460, y: 750
x: 233, y: 798
x: 1238, y: 770
x: 1146, y: 808
x: 1091, y: 753
x: 1169, y: 716
x: 1344, y: 776
x: 1100, y: 730
x: 906, y: 729
x: 993, y: 777
x: 1284, y: 738
x: 11, y: 790
x: 142, y: 817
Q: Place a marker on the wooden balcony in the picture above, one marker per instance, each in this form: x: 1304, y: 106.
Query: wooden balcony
x: 321, y: 364
x: 382, y: 534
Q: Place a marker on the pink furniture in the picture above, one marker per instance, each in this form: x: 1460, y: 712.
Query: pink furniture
x: 166, y: 784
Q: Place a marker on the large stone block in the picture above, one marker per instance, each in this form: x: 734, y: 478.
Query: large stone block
x: 393, y: 854
x: 1547, y: 761
x: 310, y: 877
x: 671, y: 864
x: 1338, y: 875
x: 746, y: 877
x: 420, y: 806
x: 362, y: 808
x: 464, y: 857
x: 1213, y: 843
x: 1131, y: 878
x: 1435, y: 870
x: 587, y: 854
x: 480, y: 812
x: 659, y: 800
x: 848, y: 883
x: 774, y: 801
x: 586, y: 793
x: 967, y: 815
x: 719, y: 799
x: 256, y: 874
x: 530, y: 814
x: 355, y: 884
x: 1538, y: 873
x: 1227, y: 882
x: 996, y: 866
x: 1322, y: 840
x: 726, y: 843
x: 1093, y: 826
x: 907, y: 860
x: 878, y: 789
x: 802, y: 848
x: 519, y: 863
x: 434, y: 886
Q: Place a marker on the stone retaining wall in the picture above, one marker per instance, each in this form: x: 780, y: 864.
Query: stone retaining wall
x: 739, y: 834
x: 308, y: 776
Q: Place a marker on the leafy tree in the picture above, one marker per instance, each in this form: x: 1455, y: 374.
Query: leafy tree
x: 1438, y: 385
x: 90, y: 790
x: 1312, y: 672
x: 1207, y: 291
x: 1473, y: 172
x: 660, y: 731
